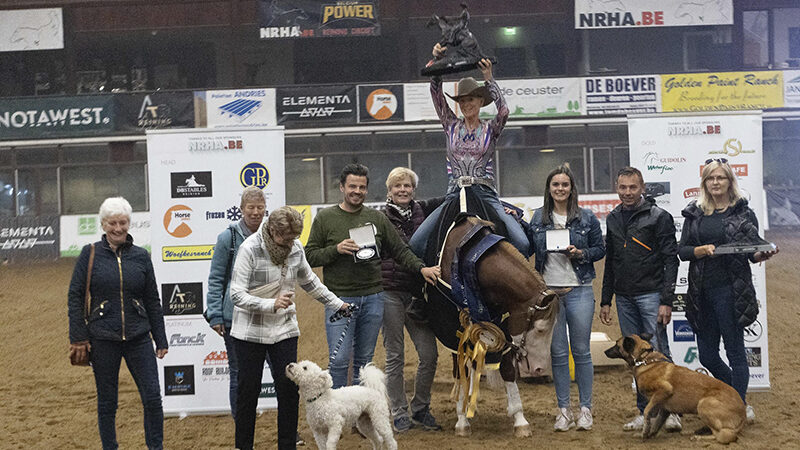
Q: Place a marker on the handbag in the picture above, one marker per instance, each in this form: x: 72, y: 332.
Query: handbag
x: 84, y: 359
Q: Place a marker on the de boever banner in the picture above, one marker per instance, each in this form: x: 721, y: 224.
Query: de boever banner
x: 309, y: 105
x: 671, y: 151
x: 51, y: 117
x: 196, y: 178
x: 281, y: 19
x: 139, y: 112
x: 28, y: 238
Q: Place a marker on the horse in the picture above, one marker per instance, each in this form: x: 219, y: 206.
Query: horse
x: 510, y: 286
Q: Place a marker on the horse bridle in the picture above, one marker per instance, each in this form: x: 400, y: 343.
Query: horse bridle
x: 530, y: 312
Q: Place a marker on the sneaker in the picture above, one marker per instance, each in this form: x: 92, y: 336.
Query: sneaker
x: 750, y: 414
x: 402, y: 424
x: 425, y: 420
x: 299, y: 441
x: 585, y: 420
x: 673, y: 423
x: 637, y: 424
x: 564, y: 420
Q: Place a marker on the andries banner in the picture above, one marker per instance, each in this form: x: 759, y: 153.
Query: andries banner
x: 671, y: 150
x: 196, y: 179
x: 282, y: 19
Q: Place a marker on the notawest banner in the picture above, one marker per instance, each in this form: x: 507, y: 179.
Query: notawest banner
x: 50, y: 117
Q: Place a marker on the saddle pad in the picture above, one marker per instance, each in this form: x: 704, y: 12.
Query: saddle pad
x: 464, y: 279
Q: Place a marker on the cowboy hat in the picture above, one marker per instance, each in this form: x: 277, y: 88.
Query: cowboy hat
x: 468, y: 87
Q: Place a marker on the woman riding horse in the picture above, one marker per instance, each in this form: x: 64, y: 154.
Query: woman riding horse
x: 470, y: 151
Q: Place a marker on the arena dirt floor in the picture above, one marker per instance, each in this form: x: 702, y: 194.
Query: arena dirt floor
x: 50, y: 405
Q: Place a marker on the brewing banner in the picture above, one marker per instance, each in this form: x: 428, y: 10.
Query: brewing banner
x: 196, y: 178
x: 592, y: 14
x: 239, y: 108
x: 671, y: 150
x: 634, y: 94
x: 139, y: 112
x: 722, y: 91
x: 380, y: 103
x: 310, y: 105
x: 77, y: 231
x: 28, y: 238
x: 39, y: 118
x: 282, y: 19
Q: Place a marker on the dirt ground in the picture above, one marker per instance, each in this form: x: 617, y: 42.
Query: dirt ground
x: 50, y: 405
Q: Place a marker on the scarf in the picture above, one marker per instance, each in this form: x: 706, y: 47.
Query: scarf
x: 405, y: 213
x: 277, y: 253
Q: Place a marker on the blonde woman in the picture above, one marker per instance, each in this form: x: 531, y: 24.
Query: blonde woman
x: 721, y: 300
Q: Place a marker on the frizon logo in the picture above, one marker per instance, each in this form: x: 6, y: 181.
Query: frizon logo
x: 381, y: 104
x: 176, y: 221
x: 254, y: 174
x: 234, y: 213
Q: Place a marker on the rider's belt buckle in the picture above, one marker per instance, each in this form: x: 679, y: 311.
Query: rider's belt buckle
x: 465, y: 181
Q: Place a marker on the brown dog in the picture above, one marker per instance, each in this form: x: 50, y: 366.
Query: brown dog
x: 677, y: 389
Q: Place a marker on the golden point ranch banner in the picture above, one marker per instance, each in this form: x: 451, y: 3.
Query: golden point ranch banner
x: 723, y: 91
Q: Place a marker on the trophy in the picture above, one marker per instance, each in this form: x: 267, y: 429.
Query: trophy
x: 463, y: 51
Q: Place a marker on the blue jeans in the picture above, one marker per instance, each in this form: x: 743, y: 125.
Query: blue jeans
x: 638, y: 314
x: 141, y: 361
x: 577, y: 311
x: 516, y: 235
x: 354, y: 337
x: 719, y: 320
x: 233, y: 368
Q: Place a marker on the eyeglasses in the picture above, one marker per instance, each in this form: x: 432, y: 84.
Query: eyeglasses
x: 717, y: 179
x: 719, y: 160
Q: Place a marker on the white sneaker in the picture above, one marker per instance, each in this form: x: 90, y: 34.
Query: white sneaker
x: 564, y: 420
x: 673, y: 423
x: 751, y: 415
x: 637, y: 424
x: 585, y: 420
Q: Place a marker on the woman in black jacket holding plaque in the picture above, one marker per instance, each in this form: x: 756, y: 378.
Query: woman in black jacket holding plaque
x: 115, y: 318
x: 721, y: 299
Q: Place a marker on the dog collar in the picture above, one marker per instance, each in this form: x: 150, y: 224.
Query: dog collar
x: 310, y: 400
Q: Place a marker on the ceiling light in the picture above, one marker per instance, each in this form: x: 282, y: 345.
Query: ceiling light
x: 547, y: 150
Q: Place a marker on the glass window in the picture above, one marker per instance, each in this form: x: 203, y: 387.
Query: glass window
x: 512, y: 137
x: 85, y: 153
x: 347, y: 143
x: 524, y: 171
x: 773, y: 129
x: 85, y: 188
x: 379, y: 164
x: 6, y: 156
x: 302, y: 181
x: 140, y: 151
x: 37, y: 192
x: 755, y: 38
x: 793, y: 127
x: 432, y: 172
x: 296, y: 145
x: 621, y: 159
x: 6, y: 193
x: 566, y: 134
x: 37, y: 156
x: 600, y: 158
x: 608, y: 133
x: 398, y: 141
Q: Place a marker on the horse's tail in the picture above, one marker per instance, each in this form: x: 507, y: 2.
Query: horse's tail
x: 373, y: 378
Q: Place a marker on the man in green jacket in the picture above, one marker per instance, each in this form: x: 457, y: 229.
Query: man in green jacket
x: 357, y: 283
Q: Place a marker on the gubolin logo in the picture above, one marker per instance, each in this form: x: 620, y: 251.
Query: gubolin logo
x: 190, y: 184
x: 182, y: 298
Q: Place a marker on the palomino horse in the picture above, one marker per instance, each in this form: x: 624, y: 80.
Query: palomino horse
x: 510, y: 286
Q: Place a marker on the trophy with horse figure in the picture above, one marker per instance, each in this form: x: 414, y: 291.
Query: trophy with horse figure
x: 462, y: 51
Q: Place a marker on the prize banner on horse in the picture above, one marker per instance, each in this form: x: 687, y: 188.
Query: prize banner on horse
x: 671, y: 151
x: 196, y: 178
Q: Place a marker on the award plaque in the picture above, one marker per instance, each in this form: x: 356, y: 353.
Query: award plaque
x: 557, y: 240
x: 730, y: 249
x: 462, y: 52
x: 364, y: 237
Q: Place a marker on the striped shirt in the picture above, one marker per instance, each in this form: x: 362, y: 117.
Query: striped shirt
x: 254, y: 318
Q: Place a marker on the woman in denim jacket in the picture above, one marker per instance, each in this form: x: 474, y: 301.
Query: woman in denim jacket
x: 572, y: 269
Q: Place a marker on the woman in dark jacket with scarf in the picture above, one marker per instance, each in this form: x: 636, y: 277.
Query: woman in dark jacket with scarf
x: 721, y: 299
x: 406, y: 214
x: 124, y: 312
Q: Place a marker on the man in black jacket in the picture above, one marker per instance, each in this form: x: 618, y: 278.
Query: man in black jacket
x: 641, y: 268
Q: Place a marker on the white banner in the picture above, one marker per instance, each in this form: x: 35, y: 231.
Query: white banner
x: 594, y: 14
x: 417, y: 100
x: 77, y: 231
x: 31, y: 29
x: 196, y: 178
x: 791, y: 88
x: 240, y: 108
x: 539, y: 97
x: 671, y: 151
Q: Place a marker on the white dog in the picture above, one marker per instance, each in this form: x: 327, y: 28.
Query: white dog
x: 329, y: 411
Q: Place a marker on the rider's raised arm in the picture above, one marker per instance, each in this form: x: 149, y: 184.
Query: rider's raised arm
x: 446, y: 115
x: 499, y: 122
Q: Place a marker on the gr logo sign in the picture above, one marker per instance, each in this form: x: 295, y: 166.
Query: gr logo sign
x: 254, y: 174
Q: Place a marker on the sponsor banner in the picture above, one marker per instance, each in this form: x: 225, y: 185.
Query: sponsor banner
x: 791, y: 88
x: 139, y: 112
x: 540, y: 97
x: 592, y: 14
x: 80, y: 230
x: 179, y: 380
x: 380, y: 103
x: 622, y: 95
x: 31, y: 29
x: 240, y: 108
x: 196, y: 179
x: 38, y: 118
x: 317, y: 18
x: 723, y: 91
x: 316, y: 104
x: 417, y: 101
x: 671, y: 150
x: 29, y: 238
